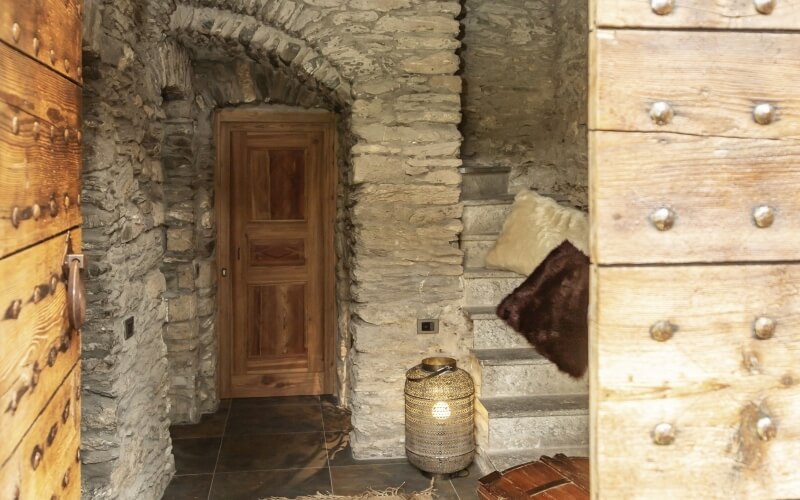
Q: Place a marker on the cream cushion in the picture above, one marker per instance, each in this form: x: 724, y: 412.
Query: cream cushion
x: 536, y: 225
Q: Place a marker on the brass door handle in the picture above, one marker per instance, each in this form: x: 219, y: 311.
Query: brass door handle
x: 76, y: 292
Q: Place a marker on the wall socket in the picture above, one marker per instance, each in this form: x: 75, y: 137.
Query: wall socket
x: 128, y: 333
x: 427, y: 326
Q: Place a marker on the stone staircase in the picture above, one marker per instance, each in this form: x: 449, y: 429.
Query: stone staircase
x: 524, y: 407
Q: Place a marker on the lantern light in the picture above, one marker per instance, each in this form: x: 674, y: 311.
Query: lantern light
x: 439, y: 416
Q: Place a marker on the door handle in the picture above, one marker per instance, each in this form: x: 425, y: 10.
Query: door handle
x: 76, y: 291
x: 224, y: 272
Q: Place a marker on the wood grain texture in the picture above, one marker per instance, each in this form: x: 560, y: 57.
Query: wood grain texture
x: 55, y: 438
x: 712, y: 381
x: 717, y: 14
x: 277, y: 320
x: 258, y: 163
x: 30, y: 87
x: 712, y: 80
x: 35, y: 171
x: 39, y: 347
x: 711, y: 184
x: 47, y: 30
x: 556, y: 478
x: 289, y: 252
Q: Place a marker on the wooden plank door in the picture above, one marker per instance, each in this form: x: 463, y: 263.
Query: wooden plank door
x: 279, y: 224
x: 40, y: 218
x: 695, y: 344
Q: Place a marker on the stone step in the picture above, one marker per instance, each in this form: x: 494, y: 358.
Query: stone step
x: 488, y: 287
x: 501, y: 460
x: 486, y: 216
x: 522, y: 372
x: 484, y: 182
x: 475, y: 247
x: 491, y: 332
x: 511, y: 423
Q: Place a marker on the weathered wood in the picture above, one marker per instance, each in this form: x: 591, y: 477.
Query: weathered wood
x: 46, y: 463
x: 717, y: 14
x: 712, y: 81
x: 46, y: 30
x: 558, y: 478
x: 30, y: 87
x: 39, y: 347
x: 283, y: 286
x: 35, y: 171
x: 711, y: 184
x: 711, y: 381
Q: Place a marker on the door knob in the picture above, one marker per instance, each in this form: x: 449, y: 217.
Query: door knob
x: 224, y: 272
x: 76, y: 291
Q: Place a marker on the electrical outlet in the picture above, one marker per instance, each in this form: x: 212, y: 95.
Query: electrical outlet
x: 128, y: 328
x: 427, y: 326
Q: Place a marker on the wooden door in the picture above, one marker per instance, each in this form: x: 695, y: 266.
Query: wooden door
x: 694, y: 153
x: 40, y: 218
x: 276, y: 195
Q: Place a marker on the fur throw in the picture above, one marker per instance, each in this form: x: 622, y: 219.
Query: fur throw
x: 550, y: 308
x: 535, y: 226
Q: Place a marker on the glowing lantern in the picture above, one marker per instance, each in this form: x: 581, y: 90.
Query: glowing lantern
x: 439, y: 416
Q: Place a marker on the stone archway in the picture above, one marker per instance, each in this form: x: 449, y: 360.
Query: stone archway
x: 387, y: 67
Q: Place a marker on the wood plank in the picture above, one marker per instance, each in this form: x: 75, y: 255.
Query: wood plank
x: 717, y: 14
x: 712, y: 381
x: 30, y: 87
x: 39, y: 347
x: 46, y: 30
x: 222, y: 213
x: 712, y: 81
x: 35, y: 171
x: 285, y: 384
x: 711, y: 184
x: 55, y: 439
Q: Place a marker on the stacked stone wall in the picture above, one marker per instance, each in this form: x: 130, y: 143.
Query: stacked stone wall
x: 155, y: 72
x: 525, y: 93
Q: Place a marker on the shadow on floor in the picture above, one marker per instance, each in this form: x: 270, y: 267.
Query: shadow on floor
x: 292, y: 446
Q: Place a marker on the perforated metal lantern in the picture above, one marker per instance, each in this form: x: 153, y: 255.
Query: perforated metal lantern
x: 439, y: 416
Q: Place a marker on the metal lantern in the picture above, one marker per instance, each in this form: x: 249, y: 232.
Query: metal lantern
x: 439, y: 416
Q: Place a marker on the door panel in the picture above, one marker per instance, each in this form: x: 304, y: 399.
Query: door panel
x: 707, y: 182
x: 717, y: 14
x: 279, y: 237
x: 40, y: 301
x: 711, y: 80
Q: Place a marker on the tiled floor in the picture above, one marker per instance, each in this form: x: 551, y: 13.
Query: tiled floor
x: 257, y: 448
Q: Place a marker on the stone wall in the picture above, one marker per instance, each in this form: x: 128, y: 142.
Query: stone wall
x: 155, y: 71
x: 126, y: 449
x: 386, y: 66
x: 525, y: 91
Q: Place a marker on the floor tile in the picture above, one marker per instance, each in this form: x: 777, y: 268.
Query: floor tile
x: 249, y: 452
x: 356, y: 479
x: 262, y: 484
x: 211, y: 425
x: 193, y: 487
x: 196, y: 455
x: 335, y: 418
x: 467, y: 487
x: 276, y: 401
x: 340, y: 453
x: 274, y: 419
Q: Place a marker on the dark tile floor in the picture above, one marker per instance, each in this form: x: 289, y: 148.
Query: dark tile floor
x: 257, y: 448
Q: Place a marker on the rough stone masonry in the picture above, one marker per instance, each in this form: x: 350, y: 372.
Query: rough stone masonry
x: 156, y: 70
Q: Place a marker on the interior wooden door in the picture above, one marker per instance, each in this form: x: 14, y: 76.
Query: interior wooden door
x: 278, y: 270
x: 41, y: 299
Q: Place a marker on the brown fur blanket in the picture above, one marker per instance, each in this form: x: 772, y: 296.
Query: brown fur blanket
x: 550, y: 308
